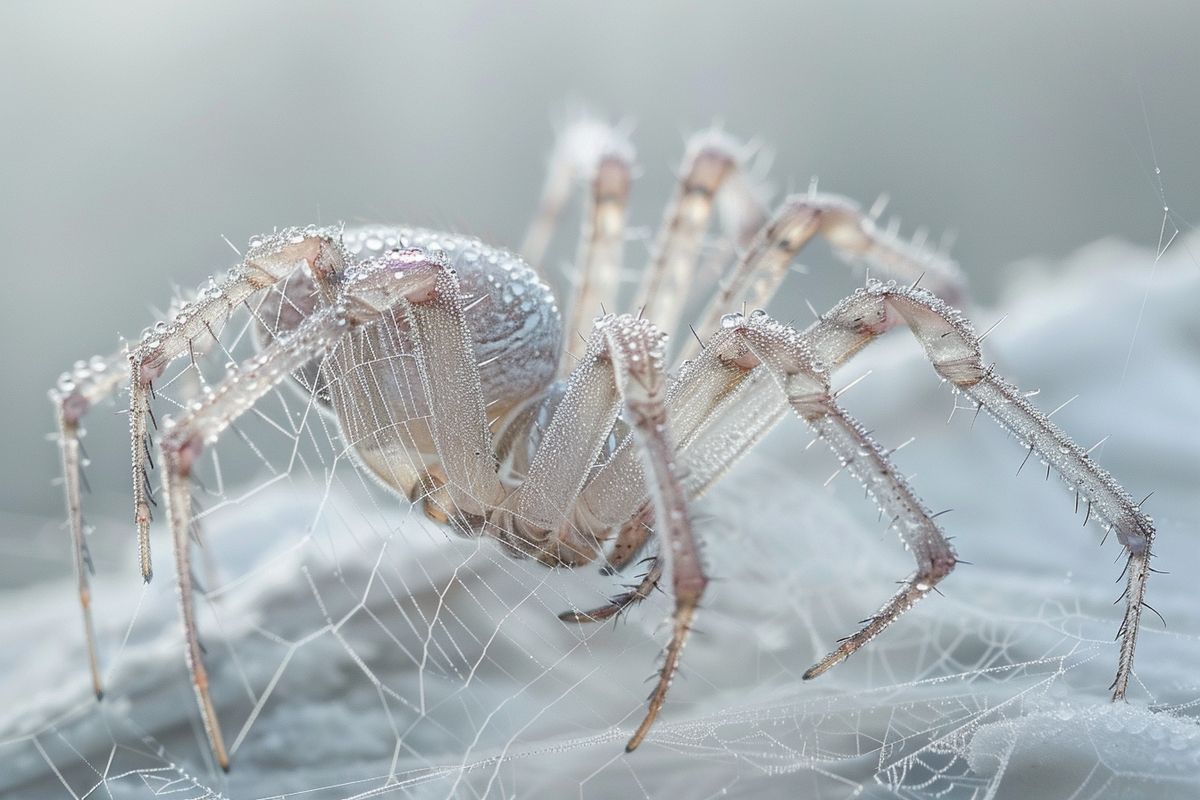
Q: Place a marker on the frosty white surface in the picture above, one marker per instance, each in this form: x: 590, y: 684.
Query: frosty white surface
x: 357, y: 650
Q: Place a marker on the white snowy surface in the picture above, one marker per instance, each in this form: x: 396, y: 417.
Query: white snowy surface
x: 373, y: 655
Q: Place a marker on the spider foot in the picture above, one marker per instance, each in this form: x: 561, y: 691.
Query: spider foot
x: 622, y: 602
x: 911, y: 591
x: 684, y: 615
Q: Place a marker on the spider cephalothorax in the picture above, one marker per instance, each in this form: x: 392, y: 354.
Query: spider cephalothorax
x: 445, y: 365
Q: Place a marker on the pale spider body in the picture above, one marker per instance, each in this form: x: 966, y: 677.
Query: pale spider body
x: 455, y: 383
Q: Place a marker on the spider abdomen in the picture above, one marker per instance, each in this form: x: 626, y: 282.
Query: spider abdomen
x: 372, y: 378
x: 513, y: 317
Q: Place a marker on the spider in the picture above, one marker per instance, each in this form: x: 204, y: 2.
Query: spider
x: 442, y: 361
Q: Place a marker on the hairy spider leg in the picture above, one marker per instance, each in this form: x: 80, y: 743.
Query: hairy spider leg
x: 853, y: 234
x: 713, y: 165
x: 952, y: 346
x: 427, y: 291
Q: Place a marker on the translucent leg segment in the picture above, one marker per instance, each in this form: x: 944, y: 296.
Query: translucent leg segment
x: 446, y: 360
x: 713, y: 162
x: 601, y: 252
x: 183, y: 441
x: 580, y: 149
x: 853, y: 234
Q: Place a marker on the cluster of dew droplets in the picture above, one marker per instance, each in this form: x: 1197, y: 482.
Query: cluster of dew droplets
x: 81, y: 373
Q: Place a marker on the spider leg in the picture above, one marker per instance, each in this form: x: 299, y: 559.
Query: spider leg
x: 952, y: 346
x: 601, y: 244
x: 407, y: 392
x: 644, y: 398
x: 182, y: 442
x: 624, y: 601
x: 268, y: 261
x: 74, y: 396
x: 631, y: 539
x: 715, y: 408
x: 784, y: 353
x: 622, y: 370
x: 852, y: 234
x: 867, y: 461
x: 77, y: 392
x: 712, y: 165
x: 406, y: 279
x: 580, y: 149
x: 636, y: 350
x: 459, y: 423
x: 600, y: 258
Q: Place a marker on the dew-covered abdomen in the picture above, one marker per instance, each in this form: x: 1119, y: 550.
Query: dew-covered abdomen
x: 516, y: 330
x: 372, y: 378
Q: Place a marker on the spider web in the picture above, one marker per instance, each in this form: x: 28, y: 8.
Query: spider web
x: 357, y: 649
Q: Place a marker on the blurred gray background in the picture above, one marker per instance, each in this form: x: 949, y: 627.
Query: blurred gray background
x: 135, y: 135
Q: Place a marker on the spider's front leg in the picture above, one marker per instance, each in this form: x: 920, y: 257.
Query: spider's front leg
x: 730, y: 396
x: 88, y: 383
x: 269, y: 261
x: 622, y: 370
x: 642, y: 380
x: 402, y: 278
x: 76, y: 393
